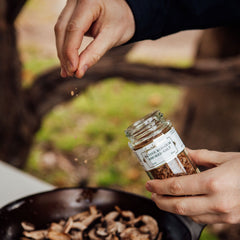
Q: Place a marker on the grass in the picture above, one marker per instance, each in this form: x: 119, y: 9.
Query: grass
x: 97, y: 120
x: 34, y: 64
x: 208, y: 235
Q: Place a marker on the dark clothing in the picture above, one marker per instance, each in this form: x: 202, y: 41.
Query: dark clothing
x: 157, y: 18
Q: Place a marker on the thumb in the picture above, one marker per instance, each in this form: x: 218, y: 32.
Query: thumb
x: 207, y: 158
x: 93, y: 53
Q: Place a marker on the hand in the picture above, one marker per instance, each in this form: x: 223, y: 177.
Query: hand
x: 109, y: 22
x: 213, y: 195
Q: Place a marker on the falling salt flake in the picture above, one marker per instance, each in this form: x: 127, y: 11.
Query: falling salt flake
x: 72, y: 93
x: 75, y: 159
x: 85, y: 161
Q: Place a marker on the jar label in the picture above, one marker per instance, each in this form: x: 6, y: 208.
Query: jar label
x: 161, y: 150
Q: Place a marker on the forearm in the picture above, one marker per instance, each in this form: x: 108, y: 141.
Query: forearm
x: 157, y: 18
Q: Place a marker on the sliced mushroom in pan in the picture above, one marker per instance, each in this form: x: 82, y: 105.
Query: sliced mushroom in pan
x: 93, y: 225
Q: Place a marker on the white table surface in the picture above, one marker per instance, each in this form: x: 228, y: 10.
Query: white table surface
x: 15, y: 184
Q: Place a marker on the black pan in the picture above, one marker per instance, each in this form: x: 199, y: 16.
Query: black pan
x: 47, y: 207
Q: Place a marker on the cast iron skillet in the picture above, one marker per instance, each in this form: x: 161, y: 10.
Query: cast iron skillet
x: 47, y: 207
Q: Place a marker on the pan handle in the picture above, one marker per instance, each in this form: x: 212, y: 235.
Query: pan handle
x: 194, y: 228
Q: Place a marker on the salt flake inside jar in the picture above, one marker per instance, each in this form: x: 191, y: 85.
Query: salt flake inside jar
x: 159, y: 148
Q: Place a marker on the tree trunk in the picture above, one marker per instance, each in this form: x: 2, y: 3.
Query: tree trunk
x: 14, y: 121
x: 210, y: 116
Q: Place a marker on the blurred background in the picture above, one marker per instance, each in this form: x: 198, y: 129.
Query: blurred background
x: 74, y: 136
x: 84, y: 140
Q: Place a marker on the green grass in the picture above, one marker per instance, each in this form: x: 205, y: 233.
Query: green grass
x: 207, y: 235
x: 34, y: 64
x: 39, y: 65
x: 97, y: 119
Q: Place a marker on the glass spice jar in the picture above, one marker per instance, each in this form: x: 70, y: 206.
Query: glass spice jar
x: 159, y: 148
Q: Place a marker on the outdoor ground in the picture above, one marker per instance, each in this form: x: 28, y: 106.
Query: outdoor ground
x: 83, y: 142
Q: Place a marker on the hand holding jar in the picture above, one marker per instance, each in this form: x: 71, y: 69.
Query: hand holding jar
x: 213, y: 196
x: 158, y: 147
x: 208, y: 197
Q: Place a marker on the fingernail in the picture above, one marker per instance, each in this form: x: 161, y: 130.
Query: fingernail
x: 63, y: 73
x: 84, y: 69
x: 149, y: 187
x: 153, y: 196
x: 69, y: 66
x: 81, y: 71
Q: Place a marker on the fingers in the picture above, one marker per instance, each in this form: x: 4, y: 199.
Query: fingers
x: 82, y: 18
x: 110, y: 23
x: 208, y: 158
x: 232, y: 218
x: 60, y: 28
x: 208, y: 218
x: 193, y: 205
x: 94, y: 51
x: 196, y: 184
x: 187, y: 206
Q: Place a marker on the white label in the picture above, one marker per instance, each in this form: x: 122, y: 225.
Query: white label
x: 162, y: 150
